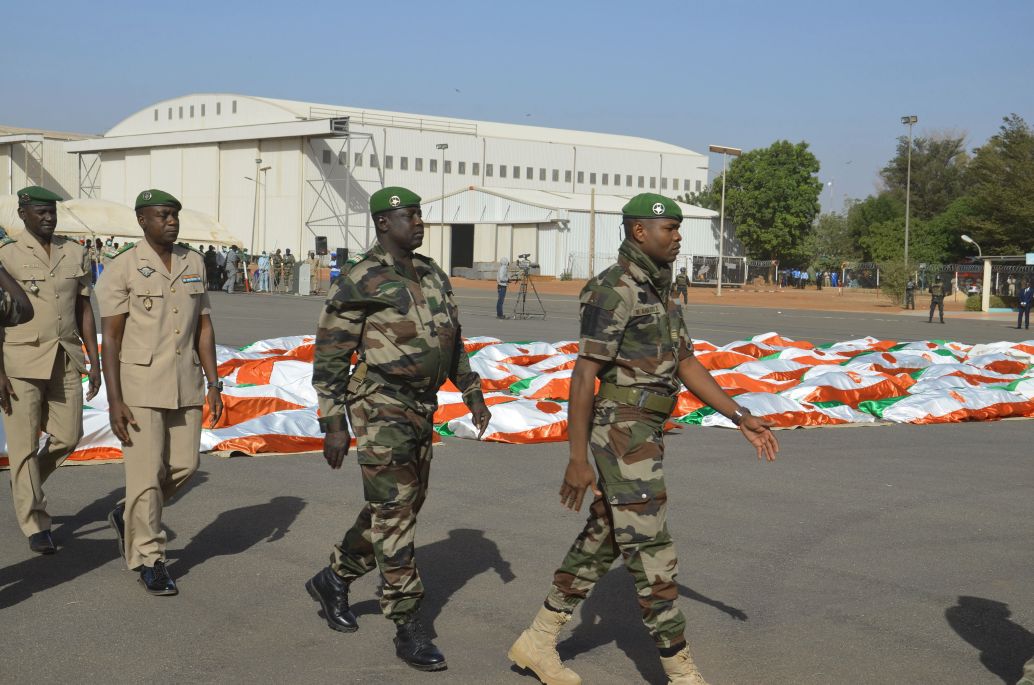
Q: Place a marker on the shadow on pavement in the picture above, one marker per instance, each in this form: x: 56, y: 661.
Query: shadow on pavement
x: 236, y: 531
x: 446, y: 566
x: 984, y: 623
x: 611, y: 614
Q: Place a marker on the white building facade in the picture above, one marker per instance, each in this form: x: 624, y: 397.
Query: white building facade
x: 280, y: 173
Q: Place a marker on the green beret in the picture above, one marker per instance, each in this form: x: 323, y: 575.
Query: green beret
x: 156, y: 198
x: 35, y: 195
x: 651, y: 206
x: 392, y: 197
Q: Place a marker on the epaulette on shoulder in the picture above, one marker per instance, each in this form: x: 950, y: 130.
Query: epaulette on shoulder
x: 612, y: 275
x: 124, y: 248
x: 7, y: 240
x: 192, y: 249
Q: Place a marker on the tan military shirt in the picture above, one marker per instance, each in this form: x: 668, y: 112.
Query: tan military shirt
x: 160, y: 367
x: 53, y: 284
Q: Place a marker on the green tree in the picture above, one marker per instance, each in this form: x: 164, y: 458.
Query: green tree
x: 873, y: 210
x: 830, y: 244
x: 938, y: 167
x: 1001, y: 182
x: 772, y: 198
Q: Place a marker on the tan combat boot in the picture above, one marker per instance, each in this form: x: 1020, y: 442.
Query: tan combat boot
x: 681, y: 669
x: 535, y: 649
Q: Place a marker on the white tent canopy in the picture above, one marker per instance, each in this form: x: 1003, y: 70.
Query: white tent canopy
x: 100, y: 219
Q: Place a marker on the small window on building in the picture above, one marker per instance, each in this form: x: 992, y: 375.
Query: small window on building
x: 373, y: 161
x: 516, y: 172
x: 653, y: 181
x: 617, y: 179
x: 685, y: 185
x: 581, y: 177
x: 202, y: 109
x: 606, y: 179
x: 433, y: 165
x: 389, y: 162
x: 502, y: 171
x: 218, y: 108
x: 628, y: 180
x: 567, y: 175
x: 642, y: 182
x: 542, y: 174
x: 181, y: 112
x: 461, y: 167
x: 592, y: 178
x: 556, y: 175
x: 192, y: 111
x: 156, y: 115
x: 326, y: 157
x: 342, y: 158
x: 448, y: 166
x: 664, y: 183
x: 475, y: 168
x: 404, y: 163
x: 233, y: 107
x: 488, y: 170
x: 418, y: 163
x: 357, y: 159
x: 529, y: 173
x: 698, y: 186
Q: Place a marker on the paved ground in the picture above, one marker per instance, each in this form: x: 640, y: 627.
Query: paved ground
x: 864, y: 555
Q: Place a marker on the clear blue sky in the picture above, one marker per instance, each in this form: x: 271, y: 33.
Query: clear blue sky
x: 836, y: 74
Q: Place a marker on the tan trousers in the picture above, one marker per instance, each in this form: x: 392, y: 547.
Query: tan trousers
x: 163, y: 456
x: 54, y: 405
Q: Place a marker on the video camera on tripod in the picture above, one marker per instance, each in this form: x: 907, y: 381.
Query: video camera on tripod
x: 522, y: 275
x: 523, y: 266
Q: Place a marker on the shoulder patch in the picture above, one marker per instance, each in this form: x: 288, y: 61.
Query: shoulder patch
x: 192, y: 249
x: 124, y: 248
x: 7, y: 240
x: 600, y: 295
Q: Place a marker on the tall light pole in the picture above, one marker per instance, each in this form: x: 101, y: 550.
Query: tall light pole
x: 255, y: 209
x: 725, y: 152
x: 967, y: 239
x: 254, y: 219
x: 909, y: 121
x: 443, y: 147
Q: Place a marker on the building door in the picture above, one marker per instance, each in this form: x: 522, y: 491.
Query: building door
x: 462, y: 246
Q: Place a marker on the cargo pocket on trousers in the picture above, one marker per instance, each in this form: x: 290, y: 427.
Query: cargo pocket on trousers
x: 637, y: 509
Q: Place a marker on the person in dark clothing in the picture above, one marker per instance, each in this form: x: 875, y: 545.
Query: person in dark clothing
x: 1026, y: 299
x: 212, y: 268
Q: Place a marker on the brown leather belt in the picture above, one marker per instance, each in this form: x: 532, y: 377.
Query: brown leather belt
x: 644, y: 399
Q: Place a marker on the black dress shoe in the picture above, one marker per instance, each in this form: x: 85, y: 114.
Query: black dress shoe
x: 413, y: 646
x: 116, y: 519
x: 328, y: 588
x: 42, y: 543
x: 157, y: 581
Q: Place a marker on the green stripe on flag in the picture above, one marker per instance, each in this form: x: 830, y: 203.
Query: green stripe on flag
x: 877, y: 407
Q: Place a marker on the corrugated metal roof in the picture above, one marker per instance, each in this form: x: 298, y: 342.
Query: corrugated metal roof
x: 6, y: 130
x: 571, y: 202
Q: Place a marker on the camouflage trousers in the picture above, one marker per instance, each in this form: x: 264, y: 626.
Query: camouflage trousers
x: 629, y: 520
x: 394, y: 448
x: 1028, y: 674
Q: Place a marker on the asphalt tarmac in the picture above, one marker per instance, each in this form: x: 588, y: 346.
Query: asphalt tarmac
x: 895, y: 554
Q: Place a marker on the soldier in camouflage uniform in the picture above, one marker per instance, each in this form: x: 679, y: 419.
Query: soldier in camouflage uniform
x: 395, y: 309
x: 15, y: 307
x: 634, y: 340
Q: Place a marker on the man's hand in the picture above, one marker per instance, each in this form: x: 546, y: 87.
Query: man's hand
x: 481, y: 416
x: 121, y: 419
x: 578, y: 477
x: 95, y: 381
x: 756, y: 430
x: 6, y: 393
x: 335, y: 445
x: 215, y: 406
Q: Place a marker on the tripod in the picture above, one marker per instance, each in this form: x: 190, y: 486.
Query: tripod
x: 520, y: 305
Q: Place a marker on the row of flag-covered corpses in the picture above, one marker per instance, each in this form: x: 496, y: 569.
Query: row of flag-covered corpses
x: 270, y: 405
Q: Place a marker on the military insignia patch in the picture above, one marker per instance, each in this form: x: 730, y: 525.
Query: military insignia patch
x: 191, y: 278
x: 146, y: 271
x: 145, y: 195
x: 24, y: 197
x: 394, y: 200
x: 658, y: 208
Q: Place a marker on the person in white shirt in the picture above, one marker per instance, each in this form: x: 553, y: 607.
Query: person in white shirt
x: 502, y: 280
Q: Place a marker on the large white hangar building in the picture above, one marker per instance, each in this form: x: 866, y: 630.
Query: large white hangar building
x: 280, y: 173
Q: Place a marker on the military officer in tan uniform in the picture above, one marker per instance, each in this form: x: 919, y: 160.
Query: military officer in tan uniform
x: 159, y: 346
x: 42, y: 360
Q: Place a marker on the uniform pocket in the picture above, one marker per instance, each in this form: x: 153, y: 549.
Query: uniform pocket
x: 637, y: 508
x: 135, y: 355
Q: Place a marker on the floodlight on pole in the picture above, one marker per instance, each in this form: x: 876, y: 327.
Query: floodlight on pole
x: 967, y: 239
x: 909, y: 121
x: 443, y: 147
x: 724, y: 152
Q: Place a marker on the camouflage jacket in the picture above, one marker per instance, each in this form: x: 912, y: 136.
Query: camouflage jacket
x: 407, y: 333
x: 11, y: 314
x: 630, y: 322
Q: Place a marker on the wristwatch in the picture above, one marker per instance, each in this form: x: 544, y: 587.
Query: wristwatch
x: 740, y: 414
x: 218, y: 385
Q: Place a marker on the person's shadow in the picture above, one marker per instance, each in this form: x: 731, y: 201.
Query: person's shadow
x: 984, y: 623
x: 445, y: 567
x: 237, y: 530
x: 611, y: 614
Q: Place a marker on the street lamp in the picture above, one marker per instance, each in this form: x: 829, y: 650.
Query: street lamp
x: 725, y: 152
x: 967, y: 239
x: 909, y: 121
x: 443, y: 147
x: 254, y: 220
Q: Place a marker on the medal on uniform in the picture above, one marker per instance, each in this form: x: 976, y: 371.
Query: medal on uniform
x: 148, y: 304
x: 33, y: 288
